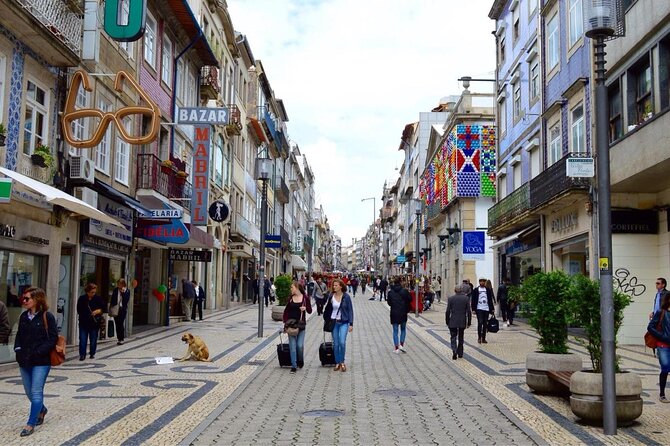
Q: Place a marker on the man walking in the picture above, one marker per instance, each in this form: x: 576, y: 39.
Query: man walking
x: 398, y: 300
x: 198, y: 300
x: 502, y: 298
x: 482, y: 303
x: 661, y: 283
x: 383, y: 285
x: 458, y: 307
x: 320, y: 290
x: 187, y: 297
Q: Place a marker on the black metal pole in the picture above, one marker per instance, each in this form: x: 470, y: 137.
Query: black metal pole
x: 261, y: 268
x: 416, y: 268
x: 605, y: 241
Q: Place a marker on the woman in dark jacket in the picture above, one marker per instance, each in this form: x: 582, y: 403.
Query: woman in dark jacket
x: 90, y: 308
x: 32, y: 345
x: 120, y: 297
x: 295, y: 309
x: 659, y: 326
x: 341, y: 309
x: 399, y: 299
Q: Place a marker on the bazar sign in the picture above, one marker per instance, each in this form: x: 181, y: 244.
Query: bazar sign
x: 202, y: 115
x: 190, y: 255
x: 103, y: 119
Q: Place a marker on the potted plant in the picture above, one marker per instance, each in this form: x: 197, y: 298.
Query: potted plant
x: 167, y: 167
x: 181, y: 177
x: 586, y: 386
x: 42, y: 157
x: 547, y: 294
x: 282, y: 284
x: 3, y: 132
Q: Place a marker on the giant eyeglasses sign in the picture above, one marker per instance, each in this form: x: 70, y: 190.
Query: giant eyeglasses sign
x: 116, y: 14
x: 103, y: 119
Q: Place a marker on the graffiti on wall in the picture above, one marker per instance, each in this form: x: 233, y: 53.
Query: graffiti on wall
x: 627, y: 283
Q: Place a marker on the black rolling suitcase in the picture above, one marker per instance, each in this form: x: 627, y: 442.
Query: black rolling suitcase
x: 326, y: 352
x: 283, y: 353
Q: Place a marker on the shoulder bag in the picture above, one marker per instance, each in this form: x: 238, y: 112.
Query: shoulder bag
x: 649, y: 339
x: 57, y: 354
x: 292, y: 327
x: 329, y: 324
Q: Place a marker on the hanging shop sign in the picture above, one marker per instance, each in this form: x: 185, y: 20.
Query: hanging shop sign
x: 132, y: 12
x: 473, y: 245
x: 272, y: 240
x: 629, y: 221
x: 80, y: 79
x: 122, y: 235
x: 219, y: 211
x: 173, y: 232
x: 5, y: 190
x: 200, y: 198
x: 580, y: 167
x: 190, y: 255
x: 202, y: 115
x: 166, y: 213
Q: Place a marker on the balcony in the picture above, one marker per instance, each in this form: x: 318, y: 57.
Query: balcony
x: 285, y: 238
x: 209, y: 83
x: 553, y: 187
x: 269, y: 121
x: 25, y: 166
x: 281, y: 191
x: 406, y: 194
x: 510, y: 208
x: 433, y: 210
x: 243, y: 229
x: 150, y: 177
x: 293, y: 185
x: 234, y: 126
x: 282, y: 142
x: 53, y: 28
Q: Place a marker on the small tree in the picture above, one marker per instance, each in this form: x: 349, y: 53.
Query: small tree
x: 282, y: 284
x: 547, y: 294
x: 585, y: 311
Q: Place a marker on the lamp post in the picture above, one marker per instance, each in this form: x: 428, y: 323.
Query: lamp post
x: 417, y: 213
x: 264, y: 167
x: 310, y: 227
x: 601, y: 19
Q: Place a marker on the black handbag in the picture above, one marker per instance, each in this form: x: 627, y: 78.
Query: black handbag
x: 329, y: 324
x: 492, y: 325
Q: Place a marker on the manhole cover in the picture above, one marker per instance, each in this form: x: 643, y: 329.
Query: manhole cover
x: 323, y: 413
x: 395, y: 392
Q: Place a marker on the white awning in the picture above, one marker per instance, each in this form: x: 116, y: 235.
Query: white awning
x: 60, y: 198
x: 515, y: 236
x: 297, y: 263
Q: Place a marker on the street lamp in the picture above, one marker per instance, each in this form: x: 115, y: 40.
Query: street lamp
x: 601, y: 19
x: 417, y: 211
x: 310, y: 228
x: 387, y: 234
x: 264, y: 168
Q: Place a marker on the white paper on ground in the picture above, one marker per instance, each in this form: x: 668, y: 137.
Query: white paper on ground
x: 164, y: 360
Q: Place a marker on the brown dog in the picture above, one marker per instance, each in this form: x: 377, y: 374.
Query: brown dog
x: 197, y: 350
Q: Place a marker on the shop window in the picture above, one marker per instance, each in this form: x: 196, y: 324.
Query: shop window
x: 102, y: 151
x: 640, y: 105
x: 615, y: 110
x: 578, y: 142
x: 150, y: 41
x: 36, y: 118
x: 534, y: 80
x: 664, y: 72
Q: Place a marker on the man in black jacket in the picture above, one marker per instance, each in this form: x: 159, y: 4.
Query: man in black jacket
x: 456, y: 317
x: 399, y: 299
x: 198, y: 300
x: 502, y: 298
x: 187, y: 297
x: 482, y: 304
x: 383, y: 285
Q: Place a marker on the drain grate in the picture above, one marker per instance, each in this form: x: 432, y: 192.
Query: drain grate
x: 256, y: 362
x: 323, y: 413
x: 395, y: 392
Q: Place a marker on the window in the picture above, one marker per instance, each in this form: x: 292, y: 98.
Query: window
x: 181, y: 81
x: 190, y: 89
x: 80, y: 126
x: 502, y: 186
x: 576, y: 18
x: 534, y: 80
x: 533, y: 5
x: 615, y: 111
x: 555, y: 150
x: 150, y: 41
x: 516, y: 176
x: 102, y: 151
x: 35, y: 125
x: 517, y: 100
x: 515, y: 24
x: 501, y: 49
x: 122, y: 156
x: 231, y: 84
x: 664, y: 72
x: 640, y: 81
x: 502, y: 118
x: 552, y: 43
x: 125, y: 13
x: 578, y: 143
x: 226, y: 165
x: 218, y: 161
x: 166, y: 64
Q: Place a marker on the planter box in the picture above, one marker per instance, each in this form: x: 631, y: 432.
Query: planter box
x: 586, y: 400
x: 538, y: 364
x: 38, y: 160
x: 278, y: 313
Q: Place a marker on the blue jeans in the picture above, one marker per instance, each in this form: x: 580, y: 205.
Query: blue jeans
x: 34, y: 379
x: 403, y: 333
x: 663, y: 354
x: 84, y: 335
x: 340, y: 342
x: 296, y: 347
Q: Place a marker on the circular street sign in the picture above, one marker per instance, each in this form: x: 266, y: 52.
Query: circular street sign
x: 219, y: 211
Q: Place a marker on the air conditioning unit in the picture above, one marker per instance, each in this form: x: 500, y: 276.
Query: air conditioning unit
x: 82, y: 170
x: 87, y: 195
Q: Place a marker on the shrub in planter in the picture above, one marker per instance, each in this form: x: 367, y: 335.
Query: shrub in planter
x: 282, y: 284
x: 42, y: 157
x: 3, y: 132
x: 547, y: 294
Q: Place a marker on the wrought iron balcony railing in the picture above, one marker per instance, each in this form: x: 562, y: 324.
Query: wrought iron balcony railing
x: 209, y: 82
x: 553, y: 183
x: 433, y: 210
x: 165, y: 182
x: 64, y: 19
x: 282, y: 192
x: 510, y: 207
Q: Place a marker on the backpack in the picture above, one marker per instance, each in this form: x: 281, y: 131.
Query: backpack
x: 310, y: 288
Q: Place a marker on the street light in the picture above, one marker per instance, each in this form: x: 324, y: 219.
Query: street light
x: 310, y: 228
x: 600, y: 24
x: 417, y: 211
x: 264, y: 168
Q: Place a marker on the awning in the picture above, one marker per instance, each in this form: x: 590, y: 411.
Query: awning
x: 297, y: 263
x: 60, y: 198
x: 514, y: 236
x: 189, y: 23
x: 258, y: 129
x: 199, y: 238
x: 122, y: 198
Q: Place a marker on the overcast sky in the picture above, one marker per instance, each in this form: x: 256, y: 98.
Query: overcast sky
x: 352, y: 73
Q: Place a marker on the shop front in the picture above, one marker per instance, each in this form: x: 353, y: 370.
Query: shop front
x: 519, y: 255
x: 567, y: 235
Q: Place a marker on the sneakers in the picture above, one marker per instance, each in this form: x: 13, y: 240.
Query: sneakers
x: 507, y: 323
x: 402, y: 349
x: 396, y: 351
x: 663, y: 399
x: 293, y: 370
x: 120, y: 343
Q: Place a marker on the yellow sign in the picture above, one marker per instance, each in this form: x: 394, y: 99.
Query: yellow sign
x: 604, y: 263
x: 104, y: 118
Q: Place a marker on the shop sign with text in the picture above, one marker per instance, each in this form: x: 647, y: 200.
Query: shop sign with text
x: 173, y: 232
x: 200, y: 198
x: 190, y: 255
x: 107, y: 231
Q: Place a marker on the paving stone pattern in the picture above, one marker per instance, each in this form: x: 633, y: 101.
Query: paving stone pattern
x: 448, y: 408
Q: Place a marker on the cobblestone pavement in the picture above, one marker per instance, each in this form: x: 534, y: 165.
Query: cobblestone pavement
x: 383, y: 398
x: 243, y: 397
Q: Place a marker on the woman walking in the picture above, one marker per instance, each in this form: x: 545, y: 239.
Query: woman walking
x: 340, y: 308
x: 120, y: 300
x: 36, y: 337
x: 398, y: 300
x: 90, y: 307
x: 295, y: 309
x: 659, y: 326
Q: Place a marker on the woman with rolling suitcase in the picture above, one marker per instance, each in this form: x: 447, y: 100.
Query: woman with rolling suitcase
x: 339, y: 313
